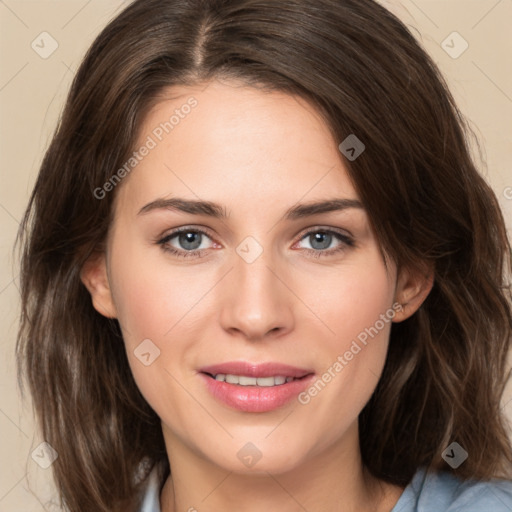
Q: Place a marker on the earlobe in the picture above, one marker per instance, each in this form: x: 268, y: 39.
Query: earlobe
x: 95, y: 278
x: 412, y: 289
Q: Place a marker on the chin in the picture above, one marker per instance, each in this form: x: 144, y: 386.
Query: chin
x: 259, y: 457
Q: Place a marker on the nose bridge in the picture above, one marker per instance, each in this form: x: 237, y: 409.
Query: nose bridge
x: 256, y: 287
x: 258, y: 301
x: 255, y: 279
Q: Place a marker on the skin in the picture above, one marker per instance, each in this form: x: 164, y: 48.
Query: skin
x: 256, y: 154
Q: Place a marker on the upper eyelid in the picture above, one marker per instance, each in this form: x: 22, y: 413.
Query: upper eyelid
x: 339, y: 231
x: 176, y: 231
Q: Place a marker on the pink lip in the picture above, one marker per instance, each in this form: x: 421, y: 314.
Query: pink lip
x: 255, y: 398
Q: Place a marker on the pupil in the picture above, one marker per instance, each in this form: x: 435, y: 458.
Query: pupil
x: 318, y: 237
x: 187, y: 240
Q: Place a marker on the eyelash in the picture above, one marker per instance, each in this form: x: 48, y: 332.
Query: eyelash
x: 346, y: 241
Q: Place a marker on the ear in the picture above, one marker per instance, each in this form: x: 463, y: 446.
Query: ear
x: 95, y: 278
x: 412, y: 288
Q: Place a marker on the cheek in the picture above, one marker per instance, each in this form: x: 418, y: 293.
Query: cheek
x: 358, y: 309
x: 368, y: 296
x: 351, y: 300
x: 155, y: 303
x: 151, y: 296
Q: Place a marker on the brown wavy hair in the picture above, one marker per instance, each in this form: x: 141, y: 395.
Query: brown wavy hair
x: 364, y: 72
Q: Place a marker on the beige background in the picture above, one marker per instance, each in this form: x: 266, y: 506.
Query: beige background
x: 32, y: 90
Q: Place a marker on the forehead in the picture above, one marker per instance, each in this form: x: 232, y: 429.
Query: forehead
x: 229, y: 141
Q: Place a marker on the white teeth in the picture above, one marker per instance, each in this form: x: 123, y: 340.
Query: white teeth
x: 246, y: 381
x: 232, y: 379
x: 243, y: 380
x: 266, y: 381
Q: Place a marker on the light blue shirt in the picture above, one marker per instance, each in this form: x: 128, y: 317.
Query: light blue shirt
x: 432, y: 492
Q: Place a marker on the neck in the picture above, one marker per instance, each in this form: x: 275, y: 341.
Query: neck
x: 334, y: 480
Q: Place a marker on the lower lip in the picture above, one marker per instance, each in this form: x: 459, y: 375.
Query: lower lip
x: 255, y: 398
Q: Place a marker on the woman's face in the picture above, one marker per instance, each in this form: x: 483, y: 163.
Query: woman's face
x: 267, y: 288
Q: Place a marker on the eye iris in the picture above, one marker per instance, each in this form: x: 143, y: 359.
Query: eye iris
x: 190, y: 240
x: 323, y: 238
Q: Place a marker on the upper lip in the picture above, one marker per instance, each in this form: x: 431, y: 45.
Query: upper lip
x: 268, y: 369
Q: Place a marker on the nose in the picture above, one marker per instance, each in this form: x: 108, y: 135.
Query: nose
x: 257, y: 303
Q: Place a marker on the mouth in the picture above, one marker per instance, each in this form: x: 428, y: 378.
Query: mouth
x: 251, y: 387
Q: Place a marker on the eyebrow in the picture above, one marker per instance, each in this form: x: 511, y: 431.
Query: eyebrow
x: 216, y: 211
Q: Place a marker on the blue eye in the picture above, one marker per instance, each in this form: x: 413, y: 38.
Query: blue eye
x: 320, y: 240
x: 190, y: 240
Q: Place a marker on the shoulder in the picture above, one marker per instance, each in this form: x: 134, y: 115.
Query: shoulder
x: 444, y: 492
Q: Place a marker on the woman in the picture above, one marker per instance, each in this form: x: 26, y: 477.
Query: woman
x: 261, y: 271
